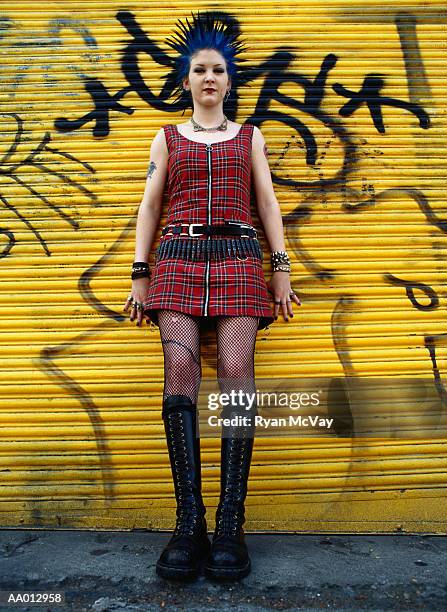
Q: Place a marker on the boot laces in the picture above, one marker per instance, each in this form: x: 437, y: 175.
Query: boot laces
x: 230, y: 516
x: 190, y: 510
x: 188, y: 521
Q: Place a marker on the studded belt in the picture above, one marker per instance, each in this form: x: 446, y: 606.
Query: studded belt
x: 230, y: 228
x: 190, y: 249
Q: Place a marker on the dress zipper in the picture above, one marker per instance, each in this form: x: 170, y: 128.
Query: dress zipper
x: 209, y: 148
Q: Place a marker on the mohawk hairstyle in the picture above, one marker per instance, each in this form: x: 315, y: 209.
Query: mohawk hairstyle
x: 211, y: 30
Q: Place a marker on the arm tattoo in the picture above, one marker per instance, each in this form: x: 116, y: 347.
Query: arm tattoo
x: 151, y: 170
x: 265, y: 151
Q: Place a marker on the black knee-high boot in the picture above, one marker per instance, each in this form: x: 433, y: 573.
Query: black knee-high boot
x: 229, y: 557
x: 189, y: 544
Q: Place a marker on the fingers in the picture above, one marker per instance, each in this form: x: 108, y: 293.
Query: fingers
x: 140, y: 317
x: 285, y: 309
x: 289, y: 307
x: 136, y: 310
x: 285, y: 305
x: 276, y: 308
x: 128, y: 303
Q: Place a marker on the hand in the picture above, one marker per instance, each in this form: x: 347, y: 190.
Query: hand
x: 140, y: 287
x: 283, y: 295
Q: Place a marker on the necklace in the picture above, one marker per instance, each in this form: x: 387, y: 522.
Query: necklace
x: 199, y: 128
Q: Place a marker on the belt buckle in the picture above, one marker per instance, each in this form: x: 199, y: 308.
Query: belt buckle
x: 248, y: 227
x: 190, y: 230
x: 244, y: 225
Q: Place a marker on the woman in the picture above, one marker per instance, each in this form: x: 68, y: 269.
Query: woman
x: 208, y: 273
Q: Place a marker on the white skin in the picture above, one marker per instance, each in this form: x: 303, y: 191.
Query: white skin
x: 208, y: 70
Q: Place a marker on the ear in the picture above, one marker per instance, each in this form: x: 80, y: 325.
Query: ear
x: 186, y: 83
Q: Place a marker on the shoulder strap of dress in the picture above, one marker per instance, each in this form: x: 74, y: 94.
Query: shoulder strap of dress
x: 248, y: 130
x: 169, y: 131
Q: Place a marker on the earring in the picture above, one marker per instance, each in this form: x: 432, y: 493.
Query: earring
x: 228, y: 93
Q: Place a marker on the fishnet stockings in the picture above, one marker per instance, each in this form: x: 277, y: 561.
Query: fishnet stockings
x: 236, y: 339
x: 180, y: 338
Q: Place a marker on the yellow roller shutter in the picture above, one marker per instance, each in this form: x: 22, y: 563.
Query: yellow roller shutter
x: 351, y: 101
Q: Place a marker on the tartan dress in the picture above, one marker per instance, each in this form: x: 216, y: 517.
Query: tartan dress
x: 209, y: 184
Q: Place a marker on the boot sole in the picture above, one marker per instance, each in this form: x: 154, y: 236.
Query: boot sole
x: 171, y: 572
x: 175, y: 573
x: 227, y: 573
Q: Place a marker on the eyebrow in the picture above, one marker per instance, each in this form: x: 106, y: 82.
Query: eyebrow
x: 204, y: 64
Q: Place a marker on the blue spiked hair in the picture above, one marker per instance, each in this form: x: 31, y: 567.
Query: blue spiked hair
x: 216, y: 31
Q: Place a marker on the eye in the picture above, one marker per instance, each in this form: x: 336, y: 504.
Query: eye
x: 201, y: 70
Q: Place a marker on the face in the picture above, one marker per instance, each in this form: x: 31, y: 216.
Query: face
x: 208, y: 78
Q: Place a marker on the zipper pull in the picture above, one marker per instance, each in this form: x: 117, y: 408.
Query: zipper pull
x: 209, y: 147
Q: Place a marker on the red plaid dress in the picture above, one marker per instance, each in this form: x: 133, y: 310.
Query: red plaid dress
x: 209, y: 185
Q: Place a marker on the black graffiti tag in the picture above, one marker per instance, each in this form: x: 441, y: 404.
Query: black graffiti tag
x: 369, y: 94
x: 276, y: 72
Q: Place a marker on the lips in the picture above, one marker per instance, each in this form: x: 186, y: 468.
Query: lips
x: 209, y: 90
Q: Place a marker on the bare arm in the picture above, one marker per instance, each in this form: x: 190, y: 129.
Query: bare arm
x: 150, y: 206
x: 270, y: 215
x: 267, y: 204
x: 147, y: 221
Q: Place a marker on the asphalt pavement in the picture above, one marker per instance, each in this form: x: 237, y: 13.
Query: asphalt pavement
x: 115, y: 570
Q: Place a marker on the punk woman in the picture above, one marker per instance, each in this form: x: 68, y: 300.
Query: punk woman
x: 208, y: 274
